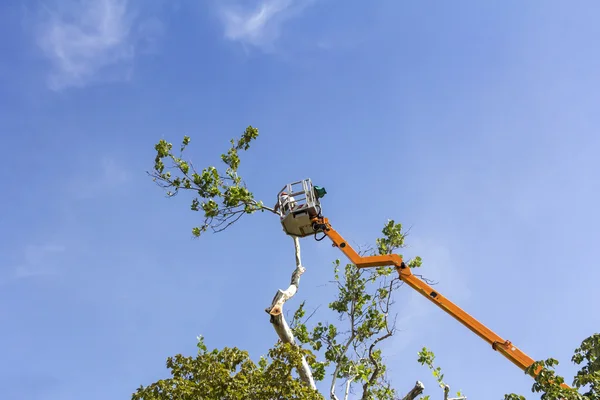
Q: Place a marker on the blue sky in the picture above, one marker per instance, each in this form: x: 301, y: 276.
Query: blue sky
x: 473, y: 123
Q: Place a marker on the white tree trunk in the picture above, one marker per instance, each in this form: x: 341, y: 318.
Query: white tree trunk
x: 278, y: 320
x: 415, y: 391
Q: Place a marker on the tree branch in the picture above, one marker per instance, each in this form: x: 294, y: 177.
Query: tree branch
x: 348, y: 384
x: 337, y: 367
x: 415, y: 391
x: 389, y: 333
x: 278, y: 320
x: 447, y: 392
x: 344, y: 350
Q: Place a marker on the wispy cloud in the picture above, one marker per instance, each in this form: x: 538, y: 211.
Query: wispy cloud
x: 90, y: 40
x: 261, y: 25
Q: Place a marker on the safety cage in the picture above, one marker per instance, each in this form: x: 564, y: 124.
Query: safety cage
x: 297, y: 204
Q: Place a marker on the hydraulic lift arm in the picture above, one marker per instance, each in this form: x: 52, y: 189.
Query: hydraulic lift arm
x: 515, y: 355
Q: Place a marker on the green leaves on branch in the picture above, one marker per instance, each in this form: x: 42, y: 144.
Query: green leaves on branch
x: 231, y: 374
x: 589, y: 374
x: 427, y: 357
x: 393, y: 238
x: 587, y: 378
x: 221, y: 196
x: 415, y: 262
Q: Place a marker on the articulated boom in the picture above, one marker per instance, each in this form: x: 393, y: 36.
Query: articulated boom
x: 505, y: 347
x: 301, y: 216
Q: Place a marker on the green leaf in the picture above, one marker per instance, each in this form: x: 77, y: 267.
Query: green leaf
x: 221, y: 196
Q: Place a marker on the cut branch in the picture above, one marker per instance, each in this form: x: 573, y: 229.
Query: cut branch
x: 415, y: 391
x: 447, y: 392
x: 278, y: 320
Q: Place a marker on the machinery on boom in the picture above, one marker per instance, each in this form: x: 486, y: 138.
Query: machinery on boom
x: 299, y: 208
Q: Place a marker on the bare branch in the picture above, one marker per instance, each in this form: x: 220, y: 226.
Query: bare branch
x: 415, y: 391
x: 339, y: 356
x: 426, y: 280
x: 294, y: 321
x: 347, y: 391
x: 239, y: 215
x: 377, y: 366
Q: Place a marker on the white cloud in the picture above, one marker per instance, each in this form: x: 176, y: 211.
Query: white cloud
x: 86, y: 38
x: 259, y: 26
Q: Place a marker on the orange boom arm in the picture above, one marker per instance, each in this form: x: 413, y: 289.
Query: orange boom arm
x: 515, y: 355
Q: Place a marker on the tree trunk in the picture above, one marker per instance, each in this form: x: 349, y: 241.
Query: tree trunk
x: 278, y: 320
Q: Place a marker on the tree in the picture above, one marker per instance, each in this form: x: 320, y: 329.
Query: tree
x: 230, y: 374
x: 586, y: 379
x: 348, y: 352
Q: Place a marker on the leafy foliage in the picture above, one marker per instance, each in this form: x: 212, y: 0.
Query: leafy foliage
x: 222, y: 197
x: 230, y: 374
x: 427, y: 358
x: 588, y: 376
